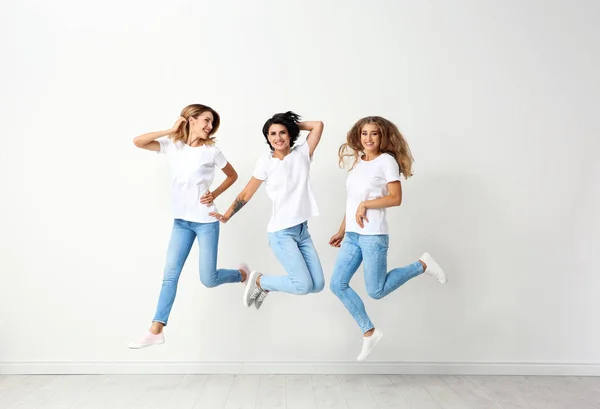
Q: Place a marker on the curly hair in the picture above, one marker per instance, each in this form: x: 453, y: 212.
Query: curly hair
x: 391, y: 142
x: 288, y: 119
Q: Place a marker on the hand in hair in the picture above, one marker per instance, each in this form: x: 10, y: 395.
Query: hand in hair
x: 180, y: 120
x: 315, y: 129
x: 148, y: 140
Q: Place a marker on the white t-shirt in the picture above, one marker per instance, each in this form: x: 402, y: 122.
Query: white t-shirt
x: 192, y: 173
x: 368, y: 180
x: 288, y: 186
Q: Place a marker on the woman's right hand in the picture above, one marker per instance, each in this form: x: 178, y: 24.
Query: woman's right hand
x: 178, y: 123
x: 220, y: 217
x: 336, y: 239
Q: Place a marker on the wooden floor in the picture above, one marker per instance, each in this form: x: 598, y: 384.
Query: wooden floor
x: 296, y: 391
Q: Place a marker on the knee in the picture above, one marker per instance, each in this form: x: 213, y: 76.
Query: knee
x: 208, y: 280
x: 375, y: 293
x: 337, y: 287
x: 171, y: 274
x: 303, y: 287
x: 318, y: 286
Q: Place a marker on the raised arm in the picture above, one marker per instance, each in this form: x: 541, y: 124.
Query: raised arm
x: 315, y: 129
x: 240, y: 201
x: 148, y: 140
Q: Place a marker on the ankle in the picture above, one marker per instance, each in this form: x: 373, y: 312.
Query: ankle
x: 244, y: 275
x: 423, y: 264
x: 156, y: 328
x: 369, y: 332
x: 258, y: 283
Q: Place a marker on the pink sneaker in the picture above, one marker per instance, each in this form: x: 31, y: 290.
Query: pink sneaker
x: 147, y: 340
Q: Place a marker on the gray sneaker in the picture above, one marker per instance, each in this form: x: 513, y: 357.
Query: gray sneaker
x: 252, y: 289
x: 261, y: 297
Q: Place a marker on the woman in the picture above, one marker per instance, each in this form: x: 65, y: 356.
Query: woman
x: 379, y: 154
x: 193, y: 158
x: 286, y: 172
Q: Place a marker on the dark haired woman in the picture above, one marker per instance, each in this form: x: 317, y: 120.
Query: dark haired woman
x: 286, y: 172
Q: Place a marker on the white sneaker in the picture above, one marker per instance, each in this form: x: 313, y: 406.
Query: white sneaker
x: 252, y: 289
x: 147, y: 340
x: 433, y: 268
x: 369, y: 343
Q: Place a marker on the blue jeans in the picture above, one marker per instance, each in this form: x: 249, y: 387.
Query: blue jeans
x: 182, y: 239
x: 294, y: 249
x: 355, y: 249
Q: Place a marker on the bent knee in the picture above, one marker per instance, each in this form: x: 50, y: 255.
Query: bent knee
x: 303, y: 290
x: 303, y: 287
x: 375, y: 294
x: 318, y: 286
x: 208, y: 281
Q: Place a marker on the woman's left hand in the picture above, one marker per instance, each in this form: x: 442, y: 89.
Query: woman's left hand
x: 361, y: 214
x: 207, y: 198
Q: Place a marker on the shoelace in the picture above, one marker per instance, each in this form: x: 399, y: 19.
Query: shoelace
x: 261, y: 296
x: 255, y: 293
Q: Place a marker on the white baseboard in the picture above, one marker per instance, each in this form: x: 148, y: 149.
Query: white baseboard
x: 389, y: 368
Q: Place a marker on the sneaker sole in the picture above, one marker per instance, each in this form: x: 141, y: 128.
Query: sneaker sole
x: 251, y: 279
x: 137, y: 346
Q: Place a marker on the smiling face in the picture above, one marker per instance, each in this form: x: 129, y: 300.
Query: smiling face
x: 202, y: 125
x: 279, y: 137
x: 370, y: 139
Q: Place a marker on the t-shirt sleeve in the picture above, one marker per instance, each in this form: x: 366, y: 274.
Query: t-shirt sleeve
x: 391, y: 170
x: 219, y: 159
x: 304, y: 149
x: 260, y: 170
x: 165, y: 144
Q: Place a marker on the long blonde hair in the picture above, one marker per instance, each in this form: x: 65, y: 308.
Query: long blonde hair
x: 391, y: 141
x: 193, y: 111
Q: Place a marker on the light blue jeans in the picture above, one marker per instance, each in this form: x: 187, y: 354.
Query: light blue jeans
x: 294, y: 249
x: 355, y: 249
x: 182, y: 238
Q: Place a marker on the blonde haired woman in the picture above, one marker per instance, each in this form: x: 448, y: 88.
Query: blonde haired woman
x: 379, y: 154
x: 193, y: 158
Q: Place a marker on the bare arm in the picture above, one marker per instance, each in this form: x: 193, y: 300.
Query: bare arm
x: 343, y: 225
x: 148, y: 140
x: 315, y: 129
x: 240, y: 201
x: 336, y: 239
x: 394, y: 198
x: 232, y: 176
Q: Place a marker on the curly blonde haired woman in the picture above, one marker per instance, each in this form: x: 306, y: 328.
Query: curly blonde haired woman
x: 379, y: 155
